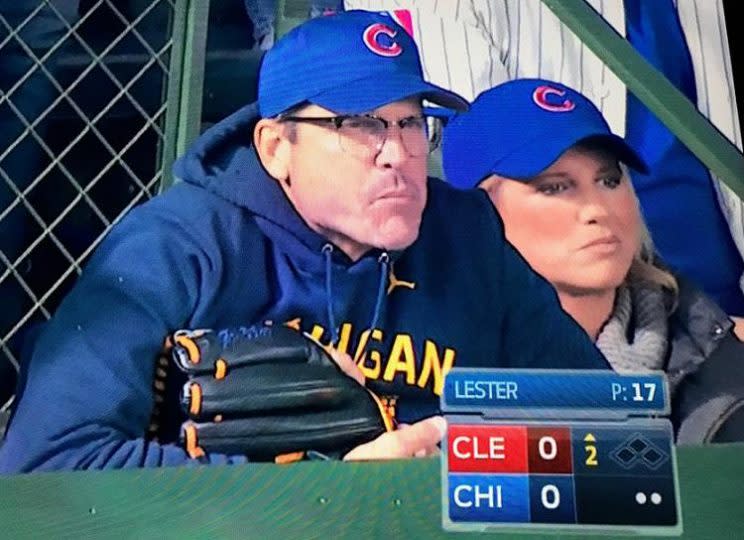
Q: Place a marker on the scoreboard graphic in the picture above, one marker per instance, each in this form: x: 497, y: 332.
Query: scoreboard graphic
x: 558, y: 450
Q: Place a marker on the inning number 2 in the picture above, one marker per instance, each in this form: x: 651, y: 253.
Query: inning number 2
x: 591, y: 450
x: 591, y: 455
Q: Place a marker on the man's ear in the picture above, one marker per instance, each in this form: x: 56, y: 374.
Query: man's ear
x: 273, y: 147
x: 491, y: 185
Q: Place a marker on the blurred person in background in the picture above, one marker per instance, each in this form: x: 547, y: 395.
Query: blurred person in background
x: 263, y: 16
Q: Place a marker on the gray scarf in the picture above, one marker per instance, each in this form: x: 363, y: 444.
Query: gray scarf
x: 634, y: 338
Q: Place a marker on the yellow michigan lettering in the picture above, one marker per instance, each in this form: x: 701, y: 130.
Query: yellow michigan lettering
x: 433, y: 366
x: 402, y: 357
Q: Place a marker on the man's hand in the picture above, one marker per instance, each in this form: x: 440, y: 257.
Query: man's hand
x: 738, y: 327
x: 417, y: 440
x: 343, y: 361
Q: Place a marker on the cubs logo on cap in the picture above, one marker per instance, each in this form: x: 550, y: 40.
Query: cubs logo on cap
x: 380, y: 39
x: 552, y: 99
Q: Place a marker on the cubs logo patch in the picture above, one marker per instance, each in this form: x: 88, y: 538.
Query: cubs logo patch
x: 552, y: 99
x: 380, y: 39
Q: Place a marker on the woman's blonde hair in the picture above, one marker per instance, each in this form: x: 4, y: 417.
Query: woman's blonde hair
x: 645, y: 268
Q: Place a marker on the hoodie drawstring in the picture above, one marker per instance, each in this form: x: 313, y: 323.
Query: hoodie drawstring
x: 327, y: 252
x: 384, y: 262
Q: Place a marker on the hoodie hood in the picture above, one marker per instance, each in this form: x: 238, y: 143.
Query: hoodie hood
x: 224, y: 162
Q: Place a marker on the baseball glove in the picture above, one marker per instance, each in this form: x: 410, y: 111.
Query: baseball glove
x: 270, y: 394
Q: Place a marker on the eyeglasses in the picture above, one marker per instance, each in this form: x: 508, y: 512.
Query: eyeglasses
x: 364, y: 135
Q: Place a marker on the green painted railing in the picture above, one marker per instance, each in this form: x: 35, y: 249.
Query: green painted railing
x: 399, y: 499
x: 186, y: 83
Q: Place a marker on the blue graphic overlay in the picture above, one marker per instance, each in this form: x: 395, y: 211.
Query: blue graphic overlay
x: 507, y: 393
x: 559, y: 450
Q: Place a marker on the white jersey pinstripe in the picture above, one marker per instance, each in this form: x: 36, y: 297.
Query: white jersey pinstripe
x: 472, y: 45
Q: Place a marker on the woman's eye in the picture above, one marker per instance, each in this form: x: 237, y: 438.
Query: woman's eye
x: 551, y: 189
x: 612, y: 181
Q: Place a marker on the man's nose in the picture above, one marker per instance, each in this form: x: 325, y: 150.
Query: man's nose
x: 392, y: 151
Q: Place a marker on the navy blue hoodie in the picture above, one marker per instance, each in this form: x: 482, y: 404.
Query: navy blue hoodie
x: 225, y: 248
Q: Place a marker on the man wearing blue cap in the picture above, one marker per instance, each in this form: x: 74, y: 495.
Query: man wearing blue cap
x: 559, y: 179
x: 310, y: 208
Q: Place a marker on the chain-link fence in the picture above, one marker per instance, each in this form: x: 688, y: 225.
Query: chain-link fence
x: 83, y: 102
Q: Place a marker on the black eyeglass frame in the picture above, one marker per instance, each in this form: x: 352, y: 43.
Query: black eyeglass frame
x: 337, y: 122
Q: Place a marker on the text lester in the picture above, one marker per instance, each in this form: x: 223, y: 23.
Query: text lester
x: 493, y: 390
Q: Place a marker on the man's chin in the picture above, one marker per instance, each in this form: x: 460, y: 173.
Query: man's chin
x: 392, y: 232
x: 398, y: 240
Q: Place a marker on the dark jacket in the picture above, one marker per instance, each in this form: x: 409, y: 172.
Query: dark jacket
x: 705, y: 370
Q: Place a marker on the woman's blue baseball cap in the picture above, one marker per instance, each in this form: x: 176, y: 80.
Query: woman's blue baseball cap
x: 519, y: 128
x: 350, y: 62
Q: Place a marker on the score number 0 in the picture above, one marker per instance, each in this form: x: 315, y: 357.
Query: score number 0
x: 550, y: 495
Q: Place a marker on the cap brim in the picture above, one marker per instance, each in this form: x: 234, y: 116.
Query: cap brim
x: 370, y: 93
x: 621, y: 149
x: 445, y: 115
x: 524, y: 163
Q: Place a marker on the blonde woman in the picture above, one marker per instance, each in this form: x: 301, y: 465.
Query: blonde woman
x: 558, y: 177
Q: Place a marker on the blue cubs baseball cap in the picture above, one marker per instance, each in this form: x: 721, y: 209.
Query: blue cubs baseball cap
x: 349, y: 62
x: 519, y: 128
